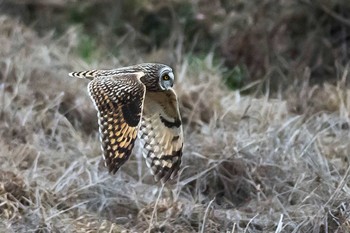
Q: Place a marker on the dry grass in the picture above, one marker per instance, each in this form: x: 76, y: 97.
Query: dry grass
x: 250, y: 164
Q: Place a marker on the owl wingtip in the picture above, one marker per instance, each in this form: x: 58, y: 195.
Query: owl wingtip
x: 164, y: 175
x: 113, y: 170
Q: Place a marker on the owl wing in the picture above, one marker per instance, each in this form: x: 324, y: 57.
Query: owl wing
x: 119, y: 102
x: 161, y: 134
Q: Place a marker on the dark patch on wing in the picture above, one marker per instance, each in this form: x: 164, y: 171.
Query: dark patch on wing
x: 169, y: 124
x: 131, y: 111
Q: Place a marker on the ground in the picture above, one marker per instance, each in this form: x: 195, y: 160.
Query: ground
x: 259, y: 155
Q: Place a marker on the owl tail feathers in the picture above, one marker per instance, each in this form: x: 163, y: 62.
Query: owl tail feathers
x: 89, y: 74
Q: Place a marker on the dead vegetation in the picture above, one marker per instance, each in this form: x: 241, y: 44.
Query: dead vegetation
x: 272, y: 160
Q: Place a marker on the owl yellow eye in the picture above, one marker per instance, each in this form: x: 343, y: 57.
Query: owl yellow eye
x: 166, y: 77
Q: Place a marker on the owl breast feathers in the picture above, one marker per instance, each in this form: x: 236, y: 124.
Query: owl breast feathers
x: 138, y: 101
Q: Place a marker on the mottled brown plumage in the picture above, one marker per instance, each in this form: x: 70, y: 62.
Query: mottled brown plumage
x: 138, y: 101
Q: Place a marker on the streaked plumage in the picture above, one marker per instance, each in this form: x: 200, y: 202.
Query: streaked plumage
x: 138, y: 101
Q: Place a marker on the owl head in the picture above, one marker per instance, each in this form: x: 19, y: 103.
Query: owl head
x: 158, y: 77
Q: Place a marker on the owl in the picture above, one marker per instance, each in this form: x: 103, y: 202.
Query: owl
x: 138, y: 102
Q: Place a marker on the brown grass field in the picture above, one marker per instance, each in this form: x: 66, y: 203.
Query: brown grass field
x: 264, y: 96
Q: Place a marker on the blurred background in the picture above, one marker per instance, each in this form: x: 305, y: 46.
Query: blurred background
x: 263, y: 93
x: 252, y: 40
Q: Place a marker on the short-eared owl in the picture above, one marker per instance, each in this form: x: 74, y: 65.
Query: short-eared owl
x: 138, y: 101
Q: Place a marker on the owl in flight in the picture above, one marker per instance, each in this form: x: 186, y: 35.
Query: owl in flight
x: 138, y: 101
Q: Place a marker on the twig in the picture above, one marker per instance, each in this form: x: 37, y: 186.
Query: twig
x: 280, y: 224
x: 250, y: 221
x: 206, y: 215
x: 335, y: 15
x: 155, y: 208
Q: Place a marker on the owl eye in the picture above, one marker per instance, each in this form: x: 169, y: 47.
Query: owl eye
x: 166, y: 77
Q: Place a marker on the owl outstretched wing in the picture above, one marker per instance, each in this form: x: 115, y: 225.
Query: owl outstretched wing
x: 161, y: 134
x: 119, y: 102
